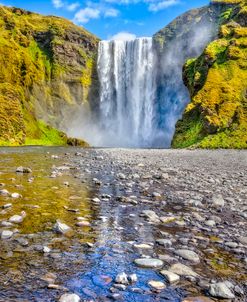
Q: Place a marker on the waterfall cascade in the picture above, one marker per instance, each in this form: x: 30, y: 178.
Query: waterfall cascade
x: 127, y: 74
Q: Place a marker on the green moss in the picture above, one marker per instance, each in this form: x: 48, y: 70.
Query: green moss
x: 36, y: 70
x: 217, y: 84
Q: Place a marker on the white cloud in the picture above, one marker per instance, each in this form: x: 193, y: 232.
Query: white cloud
x: 123, y: 36
x: 111, y: 12
x: 84, y: 15
x: 57, y: 3
x: 73, y: 6
x: 160, y: 5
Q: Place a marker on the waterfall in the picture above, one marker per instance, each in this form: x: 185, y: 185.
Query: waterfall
x: 127, y: 76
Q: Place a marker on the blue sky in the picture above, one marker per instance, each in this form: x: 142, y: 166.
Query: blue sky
x: 113, y: 18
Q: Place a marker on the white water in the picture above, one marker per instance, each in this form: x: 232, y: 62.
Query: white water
x: 127, y: 76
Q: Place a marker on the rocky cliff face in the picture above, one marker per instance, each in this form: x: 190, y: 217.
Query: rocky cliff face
x: 183, y: 38
x: 47, y: 72
x: 216, y: 117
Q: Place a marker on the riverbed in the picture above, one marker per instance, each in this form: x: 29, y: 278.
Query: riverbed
x: 185, y: 208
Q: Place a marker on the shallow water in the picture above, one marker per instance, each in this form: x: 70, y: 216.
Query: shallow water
x: 81, y: 269
x: 88, y: 270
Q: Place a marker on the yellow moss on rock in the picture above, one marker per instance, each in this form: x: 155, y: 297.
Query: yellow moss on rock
x: 220, y: 100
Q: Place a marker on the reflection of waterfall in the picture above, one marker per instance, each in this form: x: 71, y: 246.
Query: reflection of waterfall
x: 126, y: 72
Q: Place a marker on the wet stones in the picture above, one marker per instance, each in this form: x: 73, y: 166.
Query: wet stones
x: 69, y: 298
x: 149, y: 262
x: 170, y: 276
x: 18, y: 218
x: 182, y: 270
x: 221, y: 290
x: 24, y: 170
x: 150, y: 216
x: 6, y: 234
x: 122, y: 278
x: 218, y: 201
x: 4, y: 192
x: 61, y: 228
x: 188, y: 255
x: 158, y: 285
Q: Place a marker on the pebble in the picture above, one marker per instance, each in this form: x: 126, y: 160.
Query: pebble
x: 170, y: 276
x: 157, y: 284
x: 188, y: 255
x: 149, y: 262
x: 122, y: 278
x: 182, y: 270
x: 69, y: 298
x: 221, y: 290
x: 23, y: 170
x: 6, y: 234
x: 61, y: 228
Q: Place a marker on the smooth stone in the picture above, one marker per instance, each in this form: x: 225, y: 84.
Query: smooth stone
x: 61, y: 228
x: 218, y: 201
x: 7, y: 205
x: 23, y: 170
x: 188, y: 255
x: 133, y: 278
x: 4, y: 192
x: 122, y: 278
x: 16, y: 219
x: 16, y: 195
x: 149, y: 262
x: 150, y: 215
x: 164, y: 242
x: 171, y: 277
x: 243, y: 240
x: 143, y: 246
x: 221, y: 290
x: 6, y: 234
x: 83, y: 223
x: 157, y: 284
x: 69, y: 298
x: 46, y: 249
x: 182, y: 270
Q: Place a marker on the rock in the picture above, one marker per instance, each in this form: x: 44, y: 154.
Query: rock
x: 7, y: 205
x: 157, y: 284
x: 6, y: 234
x: 122, y: 278
x: 18, y: 218
x: 218, y: 201
x: 149, y: 262
x: 133, y: 278
x: 210, y: 223
x: 61, y: 228
x: 46, y: 249
x: 83, y: 223
x: 16, y: 195
x: 151, y: 216
x: 243, y: 240
x: 182, y: 270
x: 143, y: 246
x: 231, y: 244
x: 69, y: 298
x: 221, y: 290
x: 23, y: 170
x: 188, y: 255
x: 4, y: 192
x: 170, y: 276
x: 164, y: 242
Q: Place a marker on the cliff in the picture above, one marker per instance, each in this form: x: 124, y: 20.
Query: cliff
x: 47, y: 73
x: 216, y: 116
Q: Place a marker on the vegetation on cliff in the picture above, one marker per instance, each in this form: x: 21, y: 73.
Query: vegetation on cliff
x: 46, y: 72
x: 216, y: 117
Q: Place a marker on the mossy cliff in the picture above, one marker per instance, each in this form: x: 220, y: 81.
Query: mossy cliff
x: 47, y: 72
x: 216, y: 117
